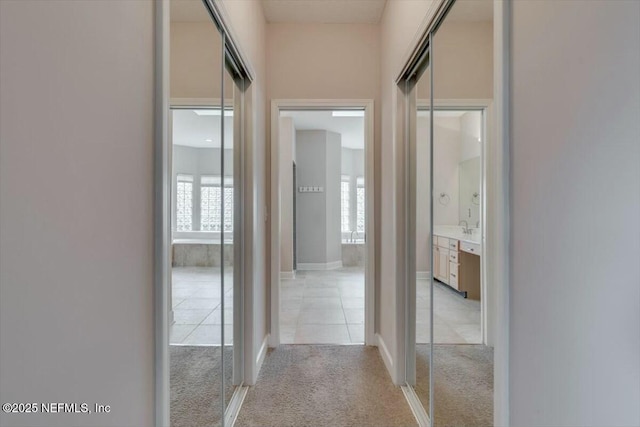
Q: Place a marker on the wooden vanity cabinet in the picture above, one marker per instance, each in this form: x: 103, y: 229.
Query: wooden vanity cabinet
x: 456, y: 265
x: 441, y: 259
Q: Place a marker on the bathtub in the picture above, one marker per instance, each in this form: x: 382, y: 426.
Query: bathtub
x: 353, y: 253
x: 200, y: 253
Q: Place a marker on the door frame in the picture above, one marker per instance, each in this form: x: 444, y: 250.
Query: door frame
x: 485, y: 106
x: 278, y: 105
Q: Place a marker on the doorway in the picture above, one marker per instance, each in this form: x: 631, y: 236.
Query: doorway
x: 458, y: 224
x: 322, y: 227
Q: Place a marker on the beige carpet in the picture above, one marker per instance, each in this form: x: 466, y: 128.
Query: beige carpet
x: 195, y: 385
x: 315, y: 385
x: 463, y: 386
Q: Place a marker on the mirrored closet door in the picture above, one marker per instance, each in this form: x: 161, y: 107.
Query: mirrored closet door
x: 205, y: 97
x: 450, y: 365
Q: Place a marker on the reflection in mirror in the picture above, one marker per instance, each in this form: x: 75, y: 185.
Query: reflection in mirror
x: 469, y: 194
x: 462, y: 80
x: 228, y: 231
x: 423, y: 242
x: 196, y: 374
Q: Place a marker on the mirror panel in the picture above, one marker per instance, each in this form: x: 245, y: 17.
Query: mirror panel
x: 228, y: 232
x: 462, y: 80
x: 424, y: 248
x: 197, y: 386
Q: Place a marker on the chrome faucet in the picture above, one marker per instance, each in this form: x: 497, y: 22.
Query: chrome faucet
x: 465, y: 227
x: 354, y: 231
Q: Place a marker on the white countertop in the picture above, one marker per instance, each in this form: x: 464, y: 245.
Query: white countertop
x: 455, y: 232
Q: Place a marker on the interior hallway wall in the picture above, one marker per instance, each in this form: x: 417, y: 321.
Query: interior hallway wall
x: 76, y: 232
x: 575, y: 214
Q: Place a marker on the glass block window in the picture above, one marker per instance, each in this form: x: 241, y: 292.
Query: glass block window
x: 344, y: 204
x: 360, y: 205
x: 210, y: 204
x: 184, y: 203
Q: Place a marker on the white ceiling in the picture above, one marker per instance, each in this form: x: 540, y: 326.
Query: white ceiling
x: 324, y: 11
x: 188, y: 11
x: 192, y: 130
x: 350, y: 128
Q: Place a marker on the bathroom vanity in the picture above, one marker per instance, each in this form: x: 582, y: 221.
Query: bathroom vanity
x: 456, y: 260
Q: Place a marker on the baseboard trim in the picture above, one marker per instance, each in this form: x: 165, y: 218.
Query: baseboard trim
x: 319, y: 266
x: 386, y: 356
x: 416, y: 406
x: 423, y: 275
x: 235, y: 404
x: 262, y: 353
x: 287, y: 274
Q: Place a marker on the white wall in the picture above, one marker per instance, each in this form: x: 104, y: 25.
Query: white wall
x: 399, y: 26
x: 195, y: 60
x: 446, y: 154
x: 318, y: 163
x: 76, y: 232
x: 332, y: 188
x: 464, y: 65
x: 471, y: 128
x: 287, y: 146
x: 248, y: 28
x: 575, y: 214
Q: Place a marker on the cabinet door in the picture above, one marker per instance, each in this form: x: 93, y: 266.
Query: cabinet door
x: 436, y: 262
x: 443, y: 265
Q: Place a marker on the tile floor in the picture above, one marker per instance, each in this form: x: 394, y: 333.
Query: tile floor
x: 456, y: 319
x: 323, y: 307
x: 196, y: 301
x: 317, y: 307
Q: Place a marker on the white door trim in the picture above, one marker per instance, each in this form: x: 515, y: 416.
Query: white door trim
x: 324, y: 104
x: 487, y: 185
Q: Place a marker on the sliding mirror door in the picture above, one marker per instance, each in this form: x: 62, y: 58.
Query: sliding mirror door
x: 197, y: 362
x: 421, y: 207
x: 230, y: 232
x: 462, y: 89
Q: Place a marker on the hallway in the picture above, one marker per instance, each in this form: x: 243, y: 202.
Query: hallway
x: 319, y: 386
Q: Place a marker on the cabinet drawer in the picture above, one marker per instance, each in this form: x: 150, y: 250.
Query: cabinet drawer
x: 472, y: 248
x: 453, y: 244
x: 453, y: 275
x: 453, y: 256
x: 453, y: 268
x: 443, y: 242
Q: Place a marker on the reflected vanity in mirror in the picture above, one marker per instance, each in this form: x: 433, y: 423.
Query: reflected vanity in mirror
x: 457, y: 226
